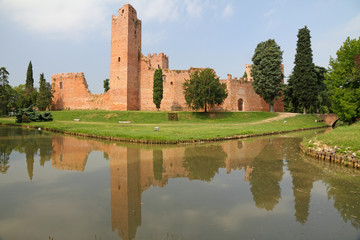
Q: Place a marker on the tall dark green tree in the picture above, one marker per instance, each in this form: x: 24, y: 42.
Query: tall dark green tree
x: 29, y: 78
x: 4, y: 74
x: 266, y: 71
x: 303, y: 80
x: 203, y: 90
x: 343, y: 81
x: 45, y: 95
x: 321, y: 103
x: 158, y: 88
x: 106, y: 85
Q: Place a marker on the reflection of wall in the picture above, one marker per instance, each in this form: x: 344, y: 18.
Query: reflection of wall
x: 69, y: 153
x: 132, y: 169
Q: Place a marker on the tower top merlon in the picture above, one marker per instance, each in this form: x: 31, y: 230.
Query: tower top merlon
x: 127, y: 8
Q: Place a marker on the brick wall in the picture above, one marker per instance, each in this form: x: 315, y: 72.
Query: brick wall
x: 131, y: 78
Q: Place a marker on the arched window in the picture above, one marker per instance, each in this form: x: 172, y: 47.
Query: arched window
x: 240, y: 104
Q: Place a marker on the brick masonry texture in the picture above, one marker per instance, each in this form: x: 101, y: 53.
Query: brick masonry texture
x: 131, y: 79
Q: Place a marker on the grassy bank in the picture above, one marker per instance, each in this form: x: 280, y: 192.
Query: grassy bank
x: 191, y: 126
x: 345, y: 138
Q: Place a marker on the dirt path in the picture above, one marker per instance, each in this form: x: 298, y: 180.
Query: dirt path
x: 281, y: 115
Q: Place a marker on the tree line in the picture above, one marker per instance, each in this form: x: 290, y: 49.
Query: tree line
x: 310, y: 88
x: 24, y: 95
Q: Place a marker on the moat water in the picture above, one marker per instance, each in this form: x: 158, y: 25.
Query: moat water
x: 60, y: 187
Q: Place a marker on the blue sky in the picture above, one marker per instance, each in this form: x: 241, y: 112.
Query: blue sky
x: 61, y: 36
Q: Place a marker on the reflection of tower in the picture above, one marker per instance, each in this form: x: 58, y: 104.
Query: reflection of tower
x: 125, y: 192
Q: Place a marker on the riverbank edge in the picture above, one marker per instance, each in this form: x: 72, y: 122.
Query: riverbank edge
x: 329, y: 155
x: 145, y: 141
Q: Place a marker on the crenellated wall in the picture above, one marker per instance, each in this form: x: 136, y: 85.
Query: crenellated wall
x: 131, y: 78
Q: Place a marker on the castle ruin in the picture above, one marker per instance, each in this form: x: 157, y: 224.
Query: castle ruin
x: 131, y: 78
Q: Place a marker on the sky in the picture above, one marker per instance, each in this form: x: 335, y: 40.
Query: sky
x: 60, y: 36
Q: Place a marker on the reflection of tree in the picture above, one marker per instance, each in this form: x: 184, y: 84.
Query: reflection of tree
x: 158, y: 164
x: 344, y: 190
x: 203, y: 162
x: 266, y: 175
x: 4, y: 162
x: 303, y: 176
x: 24, y: 141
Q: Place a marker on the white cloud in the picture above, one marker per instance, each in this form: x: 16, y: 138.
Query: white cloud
x: 194, y: 8
x: 352, y: 29
x: 228, y: 11
x: 152, y: 38
x: 73, y: 18
x: 55, y: 16
x: 159, y: 10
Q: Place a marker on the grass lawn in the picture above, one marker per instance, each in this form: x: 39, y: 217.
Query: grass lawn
x: 343, y: 137
x: 191, y: 126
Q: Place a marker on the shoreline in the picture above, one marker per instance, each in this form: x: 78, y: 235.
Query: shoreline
x: 163, y: 142
x: 330, y: 155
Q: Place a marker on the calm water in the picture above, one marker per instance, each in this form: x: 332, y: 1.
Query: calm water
x: 71, y: 188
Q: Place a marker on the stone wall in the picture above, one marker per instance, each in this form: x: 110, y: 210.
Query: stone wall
x: 131, y: 78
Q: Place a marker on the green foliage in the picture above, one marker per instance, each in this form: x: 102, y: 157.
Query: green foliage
x: 203, y: 90
x: 26, y: 115
x: 266, y: 71
x: 3, y: 90
x: 106, y: 85
x: 29, y: 79
x: 245, y: 75
x: 45, y: 95
x: 321, y: 103
x: 303, y: 83
x: 4, y: 75
x: 158, y: 88
x: 343, y: 81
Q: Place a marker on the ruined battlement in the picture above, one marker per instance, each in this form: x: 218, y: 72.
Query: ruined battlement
x: 132, y: 74
x: 158, y: 60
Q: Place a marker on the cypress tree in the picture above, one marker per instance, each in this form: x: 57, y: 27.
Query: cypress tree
x: 304, y: 81
x: 106, y: 85
x: 266, y: 71
x: 29, y: 79
x: 158, y: 88
x: 44, y: 97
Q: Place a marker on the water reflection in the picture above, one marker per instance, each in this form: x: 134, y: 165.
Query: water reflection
x: 134, y: 169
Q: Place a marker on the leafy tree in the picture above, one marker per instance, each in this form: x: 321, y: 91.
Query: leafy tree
x: 321, y: 103
x: 343, y: 81
x: 158, y: 88
x: 203, y: 90
x: 266, y: 71
x: 4, y: 75
x: 45, y: 95
x: 29, y: 78
x: 106, y: 85
x: 3, y: 93
x: 303, y: 81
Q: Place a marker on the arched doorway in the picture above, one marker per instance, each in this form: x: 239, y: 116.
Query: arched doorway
x: 240, y: 104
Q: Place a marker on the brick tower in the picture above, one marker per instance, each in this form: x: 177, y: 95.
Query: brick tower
x: 125, y: 58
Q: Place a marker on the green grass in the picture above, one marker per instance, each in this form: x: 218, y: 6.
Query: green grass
x: 144, y: 117
x: 345, y: 137
x: 191, y: 126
